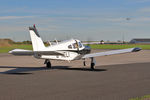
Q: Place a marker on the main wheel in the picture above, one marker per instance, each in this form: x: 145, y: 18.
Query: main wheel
x: 92, y: 66
x: 84, y: 63
x: 48, y: 65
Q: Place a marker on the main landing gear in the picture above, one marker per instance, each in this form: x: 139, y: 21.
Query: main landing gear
x: 93, y: 62
x: 48, y: 63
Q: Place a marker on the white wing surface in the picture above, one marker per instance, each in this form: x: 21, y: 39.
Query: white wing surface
x: 112, y: 52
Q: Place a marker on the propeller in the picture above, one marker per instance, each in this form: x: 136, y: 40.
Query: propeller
x: 77, y: 45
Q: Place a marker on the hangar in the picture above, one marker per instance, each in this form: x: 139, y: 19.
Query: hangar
x: 141, y: 40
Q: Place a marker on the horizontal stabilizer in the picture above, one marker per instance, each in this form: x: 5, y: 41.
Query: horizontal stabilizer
x: 22, y: 52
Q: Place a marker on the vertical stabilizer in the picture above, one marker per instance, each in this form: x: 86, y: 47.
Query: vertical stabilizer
x: 37, y: 42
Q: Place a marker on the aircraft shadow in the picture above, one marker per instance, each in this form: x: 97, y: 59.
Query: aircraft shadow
x: 29, y: 70
x: 20, y: 70
x: 77, y: 69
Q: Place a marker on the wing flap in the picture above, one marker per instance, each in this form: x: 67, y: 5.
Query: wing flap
x: 112, y: 52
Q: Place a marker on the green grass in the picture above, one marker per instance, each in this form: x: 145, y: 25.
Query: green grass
x: 121, y: 46
x: 7, y: 49
x: 141, y: 98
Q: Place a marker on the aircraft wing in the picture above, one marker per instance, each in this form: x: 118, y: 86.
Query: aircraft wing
x: 22, y: 52
x: 112, y: 52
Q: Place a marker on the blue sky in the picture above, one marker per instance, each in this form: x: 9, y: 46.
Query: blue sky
x: 81, y: 19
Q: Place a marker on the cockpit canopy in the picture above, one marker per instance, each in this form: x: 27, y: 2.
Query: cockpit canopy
x: 75, y: 45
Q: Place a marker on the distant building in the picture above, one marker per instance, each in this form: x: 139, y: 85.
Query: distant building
x: 144, y: 41
x: 102, y: 42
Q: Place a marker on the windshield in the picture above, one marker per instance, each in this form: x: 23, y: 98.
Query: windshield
x: 80, y: 45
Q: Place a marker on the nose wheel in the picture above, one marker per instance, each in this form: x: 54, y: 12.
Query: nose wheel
x: 93, y: 62
x: 48, y: 63
x: 84, y: 63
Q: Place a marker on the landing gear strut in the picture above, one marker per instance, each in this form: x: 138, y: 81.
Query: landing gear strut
x: 93, y: 62
x: 84, y: 63
x: 48, y: 63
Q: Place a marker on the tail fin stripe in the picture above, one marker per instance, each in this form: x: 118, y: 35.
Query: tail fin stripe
x: 35, y: 30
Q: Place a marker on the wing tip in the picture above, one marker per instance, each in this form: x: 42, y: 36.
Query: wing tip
x: 136, y: 49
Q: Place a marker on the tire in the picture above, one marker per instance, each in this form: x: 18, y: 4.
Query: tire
x: 84, y: 63
x: 48, y: 65
x: 92, y: 66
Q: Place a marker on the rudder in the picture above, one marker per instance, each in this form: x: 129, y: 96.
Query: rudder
x: 37, y: 42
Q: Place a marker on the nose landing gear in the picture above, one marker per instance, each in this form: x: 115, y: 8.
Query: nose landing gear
x: 93, y: 62
x: 48, y: 63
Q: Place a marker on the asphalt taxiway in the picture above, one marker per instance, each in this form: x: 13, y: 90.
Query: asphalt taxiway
x: 117, y: 77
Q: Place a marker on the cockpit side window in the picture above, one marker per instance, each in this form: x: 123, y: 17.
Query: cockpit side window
x: 75, y: 45
x: 70, y: 46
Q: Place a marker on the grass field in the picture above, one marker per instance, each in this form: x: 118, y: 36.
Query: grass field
x: 120, y: 46
x: 146, y: 97
x: 8, y: 48
x: 106, y: 46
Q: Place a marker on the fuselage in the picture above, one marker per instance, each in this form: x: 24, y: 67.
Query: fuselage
x: 71, y: 49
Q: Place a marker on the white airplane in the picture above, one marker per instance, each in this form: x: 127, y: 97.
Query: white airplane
x: 68, y: 50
